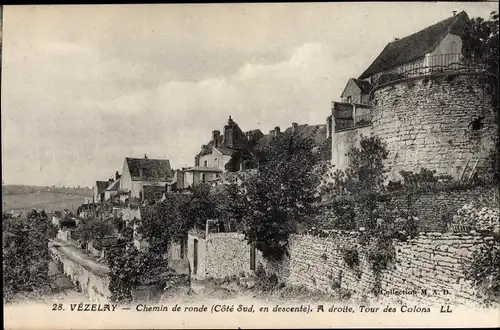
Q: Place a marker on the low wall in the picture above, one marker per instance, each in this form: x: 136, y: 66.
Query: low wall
x: 94, y: 283
x: 431, y: 261
x: 229, y: 254
x: 431, y: 207
x: 221, y: 255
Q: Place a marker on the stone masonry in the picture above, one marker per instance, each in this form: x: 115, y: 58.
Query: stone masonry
x: 429, y: 261
x: 427, y: 122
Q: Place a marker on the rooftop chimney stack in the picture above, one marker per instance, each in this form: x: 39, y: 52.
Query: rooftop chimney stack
x: 454, y: 12
x: 145, y: 156
x: 277, y: 131
x: 215, y: 136
x: 294, y: 127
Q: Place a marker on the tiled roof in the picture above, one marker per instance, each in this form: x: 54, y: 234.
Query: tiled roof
x: 114, y: 185
x: 415, y: 46
x: 101, y: 186
x: 364, y: 85
x: 151, y: 168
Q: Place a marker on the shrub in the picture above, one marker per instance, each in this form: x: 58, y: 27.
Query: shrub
x: 485, y: 269
x: 351, y: 257
x: 264, y: 281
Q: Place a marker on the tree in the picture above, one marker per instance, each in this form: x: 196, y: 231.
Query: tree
x: 363, y: 181
x: 481, y: 41
x: 26, y: 256
x: 94, y: 229
x: 282, y: 193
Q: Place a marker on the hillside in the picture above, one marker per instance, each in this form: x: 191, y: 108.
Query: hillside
x: 21, y: 198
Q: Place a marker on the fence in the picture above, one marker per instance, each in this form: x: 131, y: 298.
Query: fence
x: 454, y: 62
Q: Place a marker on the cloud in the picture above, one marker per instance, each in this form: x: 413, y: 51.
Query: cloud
x: 80, y: 94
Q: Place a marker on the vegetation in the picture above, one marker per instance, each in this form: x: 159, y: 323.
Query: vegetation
x: 351, y: 257
x: 484, y: 271
x: 95, y: 229
x: 481, y: 41
x: 281, y: 194
x: 26, y: 255
x: 130, y: 268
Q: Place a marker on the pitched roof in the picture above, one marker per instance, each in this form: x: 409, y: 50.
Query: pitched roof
x: 364, y: 85
x: 101, y: 186
x: 415, y: 46
x: 114, y: 185
x: 150, y: 168
x: 226, y: 151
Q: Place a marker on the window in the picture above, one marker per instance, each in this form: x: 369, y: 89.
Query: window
x: 203, y: 177
x: 216, y: 162
x: 205, y: 163
x: 349, y: 99
x: 477, y: 124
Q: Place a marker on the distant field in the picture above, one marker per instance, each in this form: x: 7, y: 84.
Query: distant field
x: 27, y: 198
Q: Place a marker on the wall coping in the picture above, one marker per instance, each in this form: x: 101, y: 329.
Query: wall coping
x: 421, y: 77
x: 352, y: 128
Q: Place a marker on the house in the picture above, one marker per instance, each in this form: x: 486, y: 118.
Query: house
x: 227, y: 152
x: 111, y: 189
x: 356, y: 91
x: 145, y: 178
x: 433, y: 48
x: 439, y: 45
x: 99, y: 191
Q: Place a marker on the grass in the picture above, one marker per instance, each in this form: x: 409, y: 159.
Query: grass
x: 27, y: 198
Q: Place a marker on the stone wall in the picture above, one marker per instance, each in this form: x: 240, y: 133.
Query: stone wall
x: 430, y: 261
x: 94, y: 284
x: 228, y: 254
x: 430, y: 208
x: 197, y: 272
x: 221, y: 255
x: 343, y: 142
x: 426, y: 122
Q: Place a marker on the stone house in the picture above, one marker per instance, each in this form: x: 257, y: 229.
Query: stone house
x: 356, y: 91
x: 230, y: 151
x: 112, y: 189
x: 237, y: 151
x: 145, y: 178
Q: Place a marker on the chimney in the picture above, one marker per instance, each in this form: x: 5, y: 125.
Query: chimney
x: 117, y: 175
x: 229, y: 134
x: 145, y: 156
x: 454, y: 12
x: 215, y: 135
x: 328, y: 126
x: 277, y: 131
x: 294, y: 127
x: 230, y: 121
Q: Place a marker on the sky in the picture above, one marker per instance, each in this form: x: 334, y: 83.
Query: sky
x: 83, y: 87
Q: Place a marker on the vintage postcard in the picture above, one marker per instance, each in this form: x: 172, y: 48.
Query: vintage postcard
x: 281, y: 165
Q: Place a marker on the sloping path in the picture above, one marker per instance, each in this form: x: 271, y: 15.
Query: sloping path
x: 77, y: 255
